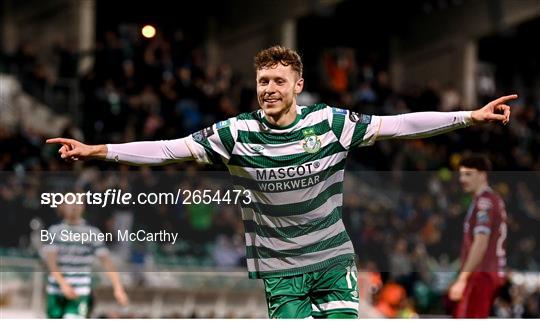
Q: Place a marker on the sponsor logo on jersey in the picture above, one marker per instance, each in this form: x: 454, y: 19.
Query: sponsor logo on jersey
x: 311, y: 143
x: 223, y: 124
x: 284, y: 172
x: 289, y: 185
x: 256, y: 148
x: 296, y: 177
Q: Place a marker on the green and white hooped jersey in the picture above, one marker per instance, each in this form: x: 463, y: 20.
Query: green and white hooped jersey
x: 295, y: 175
x: 74, y: 259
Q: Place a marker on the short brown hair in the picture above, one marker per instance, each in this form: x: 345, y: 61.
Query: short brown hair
x: 476, y: 161
x: 274, y: 55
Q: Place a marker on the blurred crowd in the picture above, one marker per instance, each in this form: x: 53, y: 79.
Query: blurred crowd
x: 164, y: 88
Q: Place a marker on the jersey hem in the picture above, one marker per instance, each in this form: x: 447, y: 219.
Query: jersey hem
x: 302, y: 270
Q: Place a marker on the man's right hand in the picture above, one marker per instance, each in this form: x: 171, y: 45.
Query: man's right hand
x: 69, y: 292
x: 75, y: 150
x: 456, y: 290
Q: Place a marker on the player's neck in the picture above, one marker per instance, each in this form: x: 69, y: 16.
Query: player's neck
x: 74, y: 221
x: 284, y: 119
x: 481, y: 188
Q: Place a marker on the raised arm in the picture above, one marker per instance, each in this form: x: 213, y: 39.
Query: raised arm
x: 425, y: 124
x: 137, y: 153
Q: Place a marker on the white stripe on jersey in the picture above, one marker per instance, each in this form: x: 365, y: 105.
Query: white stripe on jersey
x: 324, y: 163
x: 85, y: 290
x: 294, y: 242
x: 72, y: 280
x: 276, y: 264
x: 291, y: 148
x: 293, y: 220
x: 308, y: 193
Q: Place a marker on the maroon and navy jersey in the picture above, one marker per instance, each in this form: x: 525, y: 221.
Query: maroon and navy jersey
x: 487, y: 215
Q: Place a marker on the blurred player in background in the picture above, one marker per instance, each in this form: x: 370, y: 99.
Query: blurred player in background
x: 483, y: 254
x: 70, y: 265
x: 292, y: 160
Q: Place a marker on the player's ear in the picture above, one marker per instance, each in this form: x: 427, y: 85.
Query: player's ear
x: 299, y: 86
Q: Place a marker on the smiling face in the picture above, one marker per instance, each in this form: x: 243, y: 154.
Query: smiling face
x: 277, y: 87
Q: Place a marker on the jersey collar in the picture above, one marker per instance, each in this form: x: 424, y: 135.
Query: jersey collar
x: 269, y: 125
x: 487, y: 188
x: 82, y: 221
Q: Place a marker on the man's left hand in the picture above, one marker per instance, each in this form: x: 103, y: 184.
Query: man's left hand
x: 496, y: 110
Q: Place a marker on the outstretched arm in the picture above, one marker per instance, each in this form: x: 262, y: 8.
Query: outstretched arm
x: 138, y: 153
x: 425, y: 124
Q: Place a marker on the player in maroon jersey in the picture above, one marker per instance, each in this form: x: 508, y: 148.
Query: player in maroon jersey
x: 483, y: 255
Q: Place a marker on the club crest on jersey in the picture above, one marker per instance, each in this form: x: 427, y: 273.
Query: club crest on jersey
x: 311, y: 143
